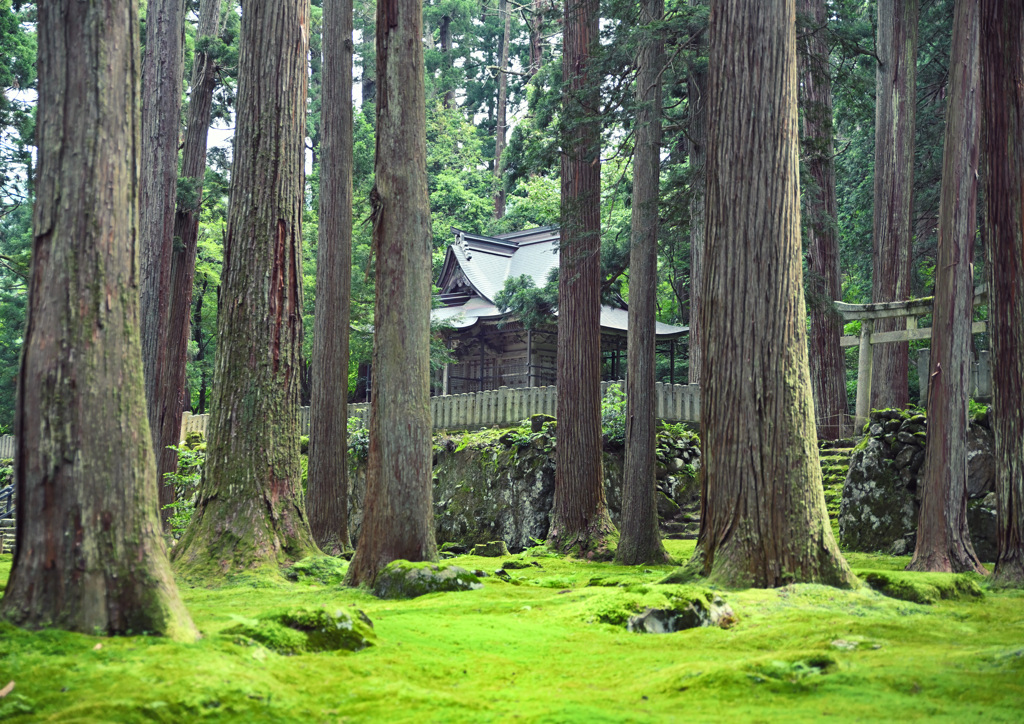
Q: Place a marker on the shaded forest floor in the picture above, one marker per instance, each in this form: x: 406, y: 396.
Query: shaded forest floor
x: 537, y: 652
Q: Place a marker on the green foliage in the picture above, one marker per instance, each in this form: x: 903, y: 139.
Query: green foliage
x: 977, y: 411
x: 530, y: 305
x: 185, y: 480
x: 613, y: 414
x: 358, y: 440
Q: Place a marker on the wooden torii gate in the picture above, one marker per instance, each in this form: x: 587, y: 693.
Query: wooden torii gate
x: 867, y: 314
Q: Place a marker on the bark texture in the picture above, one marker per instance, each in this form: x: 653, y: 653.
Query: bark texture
x: 580, y: 523
x: 171, y: 392
x: 640, y: 539
x: 764, y: 521
x: 943, y: 543
x: 502, y: 110
x: 828, y: 365
x: 90, y: 556
x: 697, y: 93
x: 398, y: 520
x: 249, y: 510
x: 162, y: 68
x: 1002, y: 51
x: 895, y: 107
x: 327, y: 482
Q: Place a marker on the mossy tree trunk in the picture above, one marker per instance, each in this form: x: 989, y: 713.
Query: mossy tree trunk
x: 895, y: 110
x: 828, y: 364
x: 162, y: 69
x: 640, y: 540
x: 327, y: 486
x: 90, y: 555
x: 764, y: 523
x: 398, y: 519
x: 1002, y: 75
x: 943, y: 543
x: 249, y: 510
x: 183, y: 253
x: 580, y: 522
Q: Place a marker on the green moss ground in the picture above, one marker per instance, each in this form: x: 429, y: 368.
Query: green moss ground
x: 530, y: 652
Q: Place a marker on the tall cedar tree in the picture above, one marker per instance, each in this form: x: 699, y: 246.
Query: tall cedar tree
x: 895, y: 108
x: 697, y: 102
x: 828, y: 365
x: 943, y: 543
x: 502, y: 109
x: 327, y: 495
x: 398, y: 519
x: 183, y: 254
x: 162, y: 69
x: 1002, y: 74
x: 765, y: 522
x: 640, y: 540
x: 249, y: 509
x: 579, y: 516
x: 90, y: 555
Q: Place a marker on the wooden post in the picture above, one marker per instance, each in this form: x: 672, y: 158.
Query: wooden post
x: 529, y: 358
x: 864, y: 375
x: 672, y: 362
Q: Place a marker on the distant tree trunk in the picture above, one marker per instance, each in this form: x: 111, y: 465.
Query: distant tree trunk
x: 895, y: 106
x: 502, y: 113
x: 1002, y: 74
x: 828, y: 365
x: 249, y: 510
x: 90, y: 556
x: 158, y: 182
x: 697, y: 99
x: 580, y: 523
x: 183, y: 253
x: 943, y: 543
x: 640, y: 540
x: 327, y: 482
x: 197, y: 335
x: 398, y: 519
x: 448, y: 99
x: 536, y: 36
x: 764, y: 522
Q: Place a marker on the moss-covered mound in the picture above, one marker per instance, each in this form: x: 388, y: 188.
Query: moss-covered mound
x: 658, y: 608
x: 927, y: 588
x: 300, y: 630
x: 404, y: 579
x: 325, y: 570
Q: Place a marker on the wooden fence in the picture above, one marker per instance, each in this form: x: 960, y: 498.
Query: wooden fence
x: 503, y: 406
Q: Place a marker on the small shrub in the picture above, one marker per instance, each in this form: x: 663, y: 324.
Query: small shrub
x: 358, y: 440
x: 186, y: 485
x: 613, y: 414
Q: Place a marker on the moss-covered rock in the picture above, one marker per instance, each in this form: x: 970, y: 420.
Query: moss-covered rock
x: 926, y: 588
x: 325, y: 570
x: 300, y: 630
x: 491, y: 549
x: 404, y: 579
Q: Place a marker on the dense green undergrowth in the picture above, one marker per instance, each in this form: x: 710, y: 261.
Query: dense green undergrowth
x: 534, y: 649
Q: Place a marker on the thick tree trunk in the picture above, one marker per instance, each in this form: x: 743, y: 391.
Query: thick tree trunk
x: 895, y: 106
x: 327, y: 482
x: 398, y: 520
x: 249, y: 511
x: 171, y: 390
x: 90, y: 556
x: 697, y: 95
x: 828, y: 365
x: 943, y: 543
x: 502, y: 112
x: 162, y: 68
x: 1002, y: 73
x: 640, y: 539
x: 764, y: 522
x: 580, y: 523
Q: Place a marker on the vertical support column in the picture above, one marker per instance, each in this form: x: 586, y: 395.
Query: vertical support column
x: 672, y: 362
x: 530, y: 380
x: 864, y: 374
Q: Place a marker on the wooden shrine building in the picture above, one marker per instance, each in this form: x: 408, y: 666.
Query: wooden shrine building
x: 491, y: 348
